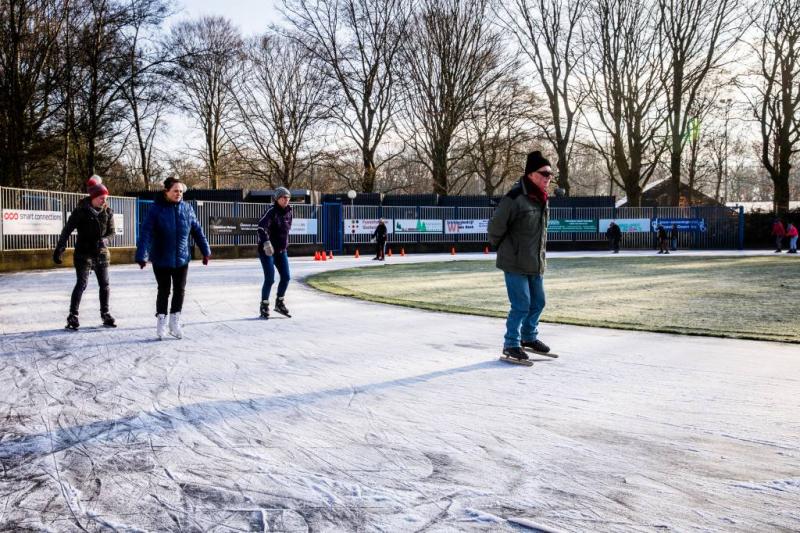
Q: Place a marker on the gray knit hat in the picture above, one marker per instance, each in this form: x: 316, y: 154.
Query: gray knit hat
x: 281, y: 191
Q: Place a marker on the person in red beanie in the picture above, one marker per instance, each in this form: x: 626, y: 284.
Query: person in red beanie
x: 94, y: 221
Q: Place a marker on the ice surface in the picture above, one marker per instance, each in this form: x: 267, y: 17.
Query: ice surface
x: 354, y: 416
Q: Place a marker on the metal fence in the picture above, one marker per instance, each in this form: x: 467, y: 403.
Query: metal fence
x: 723, y: 226
x: 52, y: 209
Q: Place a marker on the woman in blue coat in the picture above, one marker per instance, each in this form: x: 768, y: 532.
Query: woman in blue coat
x: 273, y: 242
x: 164, y: 241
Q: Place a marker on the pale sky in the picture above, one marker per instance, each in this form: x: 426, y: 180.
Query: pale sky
x: 251, y: 16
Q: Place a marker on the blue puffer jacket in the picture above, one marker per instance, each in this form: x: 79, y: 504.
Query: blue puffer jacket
x: 164, y: 239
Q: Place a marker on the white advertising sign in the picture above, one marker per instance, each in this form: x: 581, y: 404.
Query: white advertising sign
x: 626, y: 225
x: 413, y: 225
x: 466, y: 226
x: 304, y: 226
x: 365, y: 226
x: 119, y: 224
x: 26, y: 222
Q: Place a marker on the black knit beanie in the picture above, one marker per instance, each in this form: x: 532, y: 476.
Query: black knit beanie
x: 535, y: 161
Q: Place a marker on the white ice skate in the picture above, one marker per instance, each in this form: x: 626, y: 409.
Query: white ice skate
x: 175, y: 325
x: 161, y: 326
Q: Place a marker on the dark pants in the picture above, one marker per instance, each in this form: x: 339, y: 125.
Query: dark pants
x: 381, y: 249
x: 268, y: 264
x: 615, y: 244
x: 778, y: 243
x: 176, y: 278
x: 83, y: 266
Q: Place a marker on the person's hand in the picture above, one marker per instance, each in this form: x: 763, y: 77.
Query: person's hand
x: 205, y: 259
x: 268, y: 250
x: 141, y: 264
x: 57, y: 256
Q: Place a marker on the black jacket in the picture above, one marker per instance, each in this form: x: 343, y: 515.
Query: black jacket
x: 93, y: 229
x: 380, y: 232
x: 614, y: 232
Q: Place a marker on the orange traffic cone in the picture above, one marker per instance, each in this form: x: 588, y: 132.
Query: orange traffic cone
x: 357, y: 254
x: 402, y: 252
x: 323, y: 257
x: 330, y: 255
x: 389, y: 253
x: 316, y: 256
x: 486, y: 250
x: 453, y: 250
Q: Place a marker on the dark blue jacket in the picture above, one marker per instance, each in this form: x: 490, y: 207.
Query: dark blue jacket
x: 275, y: 225
x: 164, y: 238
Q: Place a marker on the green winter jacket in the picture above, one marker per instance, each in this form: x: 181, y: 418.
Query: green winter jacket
x: 518, y: 230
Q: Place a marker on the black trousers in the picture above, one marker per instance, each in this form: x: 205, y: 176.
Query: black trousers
x: 83, y: 267
x: 174, y: 278
x: 614, y: 244
x: 380, y: 250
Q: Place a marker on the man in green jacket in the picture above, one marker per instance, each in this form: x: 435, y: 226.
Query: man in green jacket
x: 518, y: 229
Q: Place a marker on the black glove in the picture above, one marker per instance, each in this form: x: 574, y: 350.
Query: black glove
x: 57, y: 255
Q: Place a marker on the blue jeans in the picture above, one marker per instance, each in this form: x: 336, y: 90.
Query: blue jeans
x: 793, y: 243
x: 269, y: 264
x: 526, y: 294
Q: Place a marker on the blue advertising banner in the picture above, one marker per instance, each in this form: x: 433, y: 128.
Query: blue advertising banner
x: 683, y: 224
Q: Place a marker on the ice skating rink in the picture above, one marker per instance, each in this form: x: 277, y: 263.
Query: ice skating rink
x: 354, y: 416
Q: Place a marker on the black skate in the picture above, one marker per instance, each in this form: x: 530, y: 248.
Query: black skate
x: 108, y: 320
x: 280, y: 307
x: 264, y: 310
x: 72, y: 322
x: 537, y: 346
x: 516, y: 355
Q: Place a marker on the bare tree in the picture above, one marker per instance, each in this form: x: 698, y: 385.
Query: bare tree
x: 624, y: 92
x: 359, y: 42
x: 777, y: 104
x: 29, y: 32
x: 452, y: 59
x: 548, y: 33
x: 498, y: 133
x: 98, y: 111
x: 207, y: 55
x: 282, y: 97
x: 145, y: 88
x: 695, y: 36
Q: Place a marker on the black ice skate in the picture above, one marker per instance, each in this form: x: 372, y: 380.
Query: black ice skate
x: 537, y: 346
x: 516, y: 355
x: 280, y: 307
x: 108, y: 320
x: 72, y: 322
x: 264, y: 310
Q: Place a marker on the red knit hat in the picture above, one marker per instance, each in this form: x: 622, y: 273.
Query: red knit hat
x: 95, y: 187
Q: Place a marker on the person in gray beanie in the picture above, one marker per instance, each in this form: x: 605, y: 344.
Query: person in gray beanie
x: 273, y: 244
x: 518, y: 230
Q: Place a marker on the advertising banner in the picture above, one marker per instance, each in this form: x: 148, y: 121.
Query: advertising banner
x: 570, y: 225
x: 411, y: 225
x: 304, y: 226
x: 466, y: 226
x: 627, y: 225
x: 119, y: 224
x: 248, y: 226
x: 365, y: 226
x: 28, y: 222
x: 683, y: 224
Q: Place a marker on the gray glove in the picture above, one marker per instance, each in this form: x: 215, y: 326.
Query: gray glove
x: 267, y: 247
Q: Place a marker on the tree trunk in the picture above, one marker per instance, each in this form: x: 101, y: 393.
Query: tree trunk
x: 439, y: 161
x: 781, y: 184
x: 368, y: 178
x: 563, y: 171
